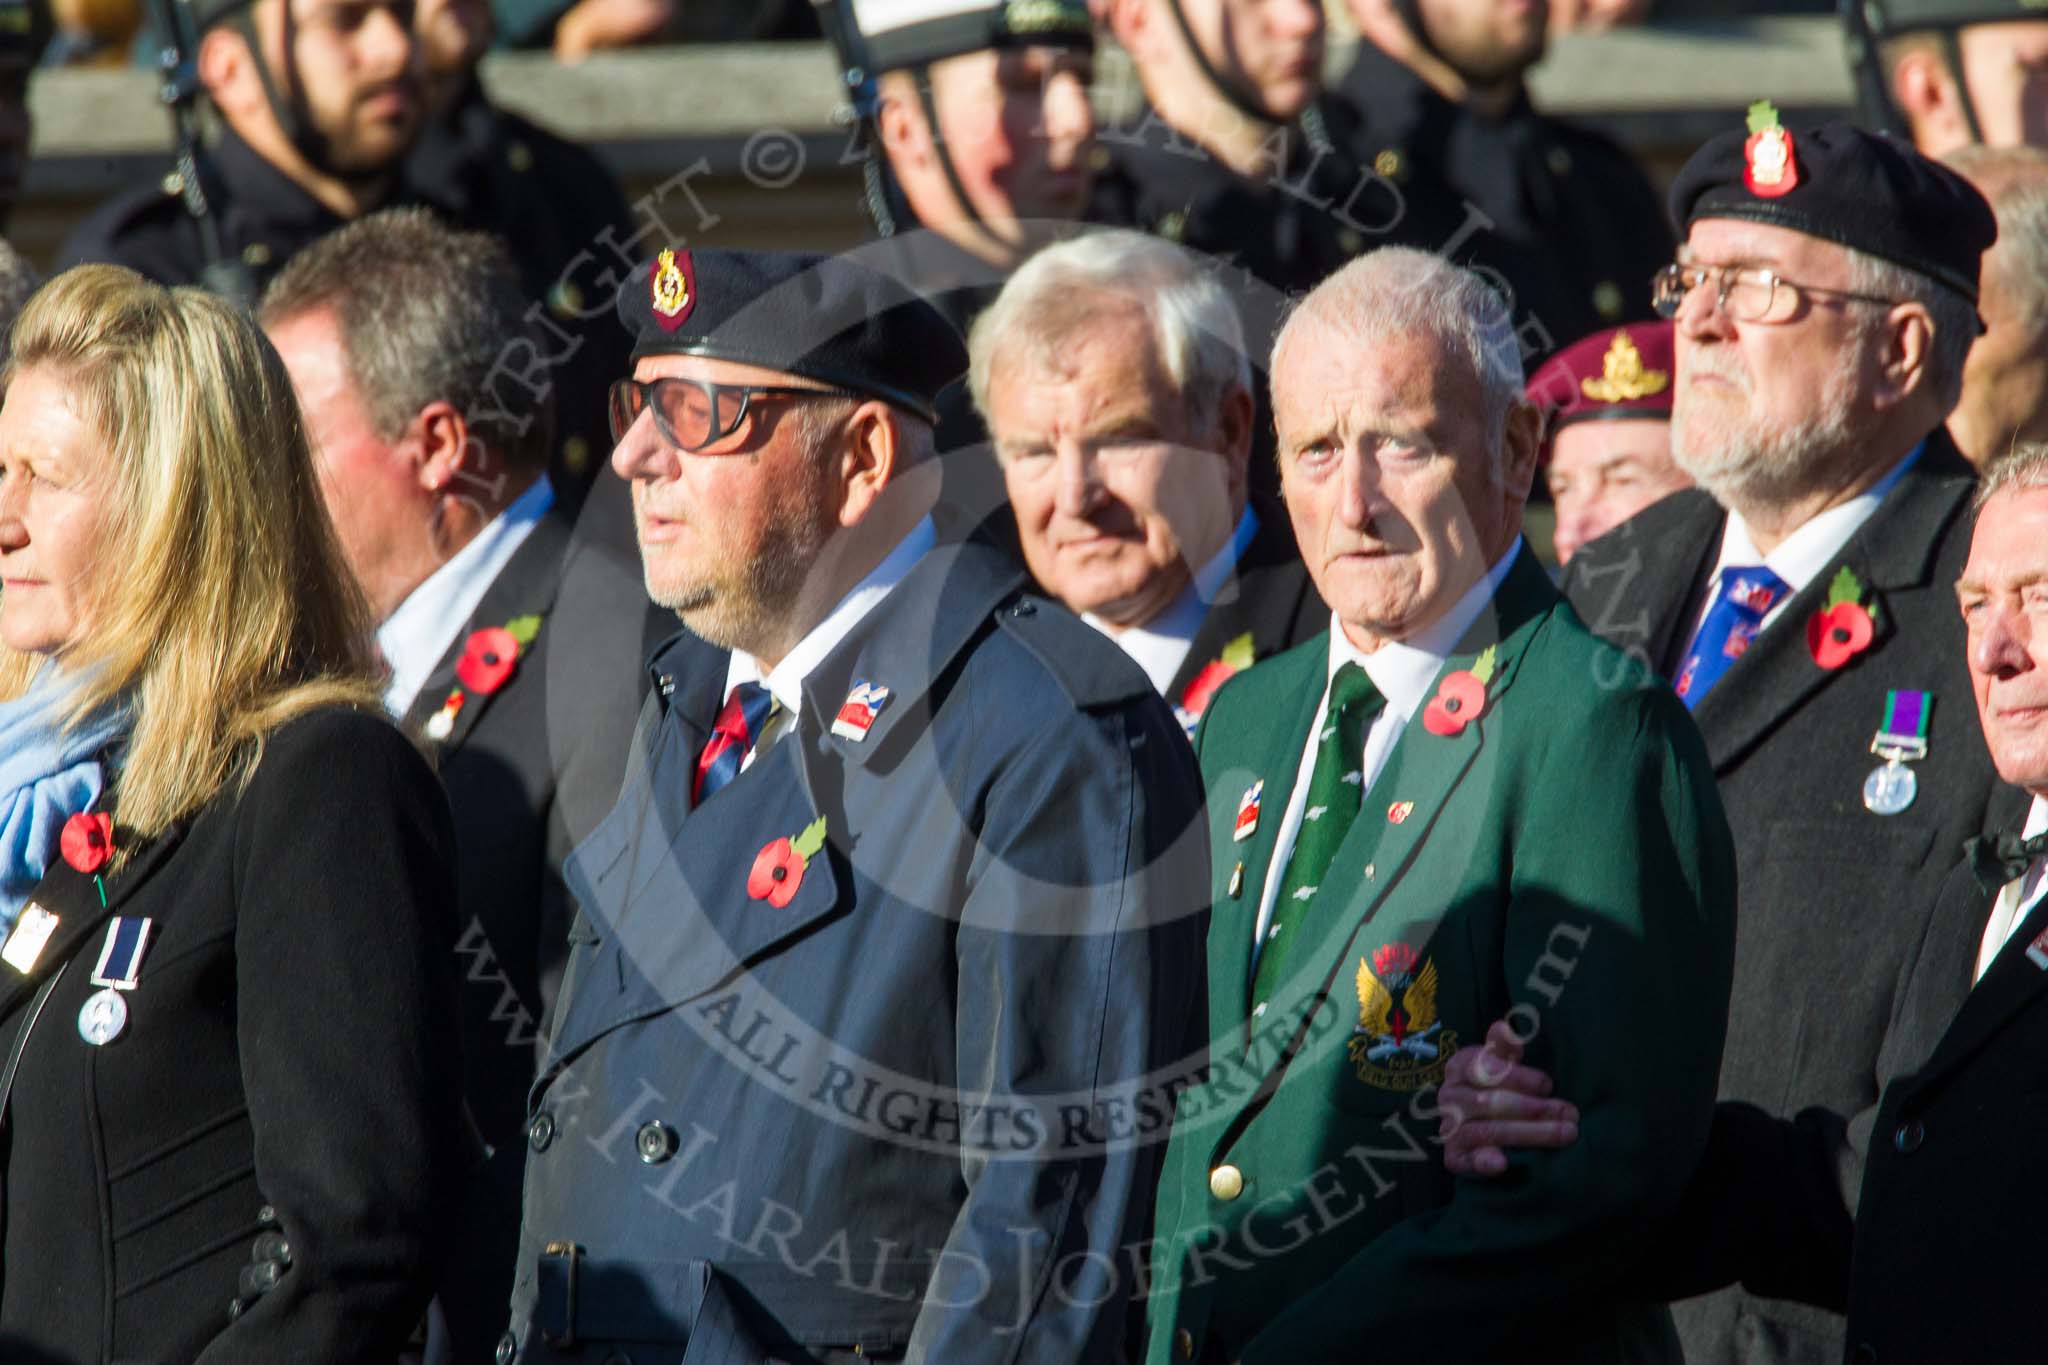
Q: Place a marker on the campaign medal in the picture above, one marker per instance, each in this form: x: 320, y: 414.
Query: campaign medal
x: 25, y: 944
x: 1248, y: 812
x: 1903, y: 739
x: 105, y: 1012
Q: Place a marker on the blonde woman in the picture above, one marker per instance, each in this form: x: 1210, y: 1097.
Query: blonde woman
x: 230, y: 1091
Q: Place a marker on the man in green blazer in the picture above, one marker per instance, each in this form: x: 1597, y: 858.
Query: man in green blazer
x: 1457, y: 804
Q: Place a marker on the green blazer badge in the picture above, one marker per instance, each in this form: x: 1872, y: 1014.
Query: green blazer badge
x: 1544, y: 844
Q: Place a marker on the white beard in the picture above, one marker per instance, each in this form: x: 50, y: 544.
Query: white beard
x: 1760, y: 464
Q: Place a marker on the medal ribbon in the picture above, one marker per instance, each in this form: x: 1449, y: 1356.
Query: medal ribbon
x: 1905, y: 723
x: 120, y: 961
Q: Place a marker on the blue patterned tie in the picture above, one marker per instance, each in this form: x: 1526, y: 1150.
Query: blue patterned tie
x: 737, y: 730
x: 1744, y: 598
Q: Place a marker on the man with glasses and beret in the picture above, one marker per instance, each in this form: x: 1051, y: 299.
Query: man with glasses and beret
x: 888, y: 952
x: 1801, y: 600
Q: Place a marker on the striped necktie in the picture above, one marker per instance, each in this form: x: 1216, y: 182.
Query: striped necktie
x: 733, y: 734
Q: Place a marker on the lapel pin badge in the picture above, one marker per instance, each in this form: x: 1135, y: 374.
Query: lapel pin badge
x: 31, y: 932
x: 1399, y: 812
x: 857, y: 714
x: 1248, y: 812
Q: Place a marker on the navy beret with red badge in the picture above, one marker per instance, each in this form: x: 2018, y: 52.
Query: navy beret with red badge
x: 825, y: 318
x: 1843, y: 185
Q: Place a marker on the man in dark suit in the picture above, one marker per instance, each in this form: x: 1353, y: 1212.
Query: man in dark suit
x: 433, y: 466
x: 1112, y: 373
x: 1955, y: 1134
x: 1800, y: 598
x: 901, y: 911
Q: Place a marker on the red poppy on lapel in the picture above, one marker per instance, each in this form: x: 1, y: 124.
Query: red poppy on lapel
x: 488, y: 658
x: 1843, y: 628
x: 779, y: 867
x: 1460, y: 698
x: 1838, y: 634
x: 87, y: 841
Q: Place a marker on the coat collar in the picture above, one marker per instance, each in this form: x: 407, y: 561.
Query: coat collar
x: 1262, y: 598
x: 72, y: 897
x: 526, y: 586
x: 2013, y: 982
x: 1896, y: 550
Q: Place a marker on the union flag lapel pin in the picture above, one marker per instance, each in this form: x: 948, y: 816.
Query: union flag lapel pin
x: 857, y: 713
x: 1248, y: 812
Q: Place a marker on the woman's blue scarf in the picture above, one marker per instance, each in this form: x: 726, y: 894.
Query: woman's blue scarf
x: 47, y: 775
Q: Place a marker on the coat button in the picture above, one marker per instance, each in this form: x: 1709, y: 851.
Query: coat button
x: 1184, y: 1344
x: 1226, y: 1182
x: 508, y: 1346
x: 1910, y: 1135
x: 540, y: 1132
x: 656, y: 1141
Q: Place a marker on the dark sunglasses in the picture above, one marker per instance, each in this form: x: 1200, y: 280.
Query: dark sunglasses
x: 691, y: 414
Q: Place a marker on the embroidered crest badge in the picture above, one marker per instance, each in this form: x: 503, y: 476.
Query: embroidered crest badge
x: 673, y: 287
x: 1771, y: 164
x: 1623, y: 376
x: 1399, y: 1043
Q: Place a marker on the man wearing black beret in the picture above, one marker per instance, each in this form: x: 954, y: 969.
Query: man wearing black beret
x: 1801, y: 601
x: 900, y: 911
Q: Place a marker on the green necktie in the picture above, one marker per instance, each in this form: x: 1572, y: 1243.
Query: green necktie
x: 1335, y: 788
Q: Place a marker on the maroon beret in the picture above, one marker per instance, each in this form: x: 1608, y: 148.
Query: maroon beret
x: 1621, y: 371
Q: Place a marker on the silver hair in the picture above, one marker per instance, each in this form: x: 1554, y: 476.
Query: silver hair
x: 1398, y: 291
x: 2024, y: 466
x: 2015, y: 180
x: 1954, y: 317
x: 1069, y: 286
x: 18, y: 279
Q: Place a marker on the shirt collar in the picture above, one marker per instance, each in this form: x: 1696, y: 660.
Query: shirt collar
x: 1801, y: 556
x: 1160, y: 645
x: 415, y: 636
x: 1403, y: 669
x: 2037, y: 818
x: 785, y: 681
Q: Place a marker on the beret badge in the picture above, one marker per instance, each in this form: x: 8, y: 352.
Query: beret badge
x: 1770, y: 165
x: 671, y: 287
x: 1623, y: 376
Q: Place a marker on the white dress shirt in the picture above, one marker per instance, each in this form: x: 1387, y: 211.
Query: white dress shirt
x: 1160, y: 646
x: 785, y: 682
x: 2016, y: 900
x: 1402, y: 670
x: 415, y: 636
x: 1801, y: 556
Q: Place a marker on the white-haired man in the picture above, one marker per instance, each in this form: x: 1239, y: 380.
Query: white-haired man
x: 1408, y: 838
x: 1955, y: 1132
x: 1799, y: 600
x: 1112, y: 374
x: 2005, y: 380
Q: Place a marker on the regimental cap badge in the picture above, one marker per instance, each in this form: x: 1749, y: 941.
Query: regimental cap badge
x: 1623, y: 376
x: 672, y: 287
x: 1770, y: 163
x: 1043, y: 19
